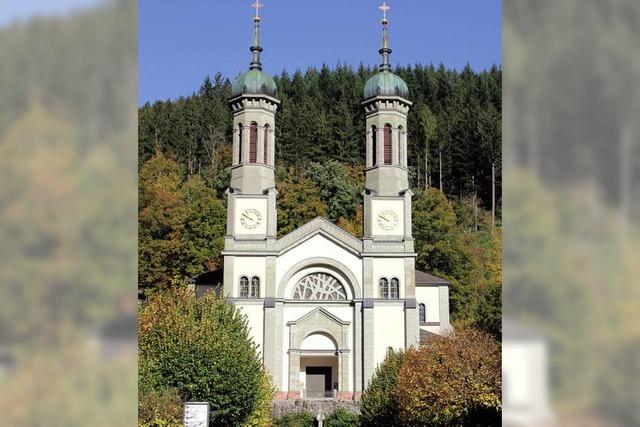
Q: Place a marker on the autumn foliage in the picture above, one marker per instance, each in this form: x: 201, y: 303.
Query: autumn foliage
x: 451, y: 380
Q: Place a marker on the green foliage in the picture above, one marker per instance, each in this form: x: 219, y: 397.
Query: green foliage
x: 451, y: 380
x: 342, y: 418
x: 378, y: 405
x: 161, y: 408
x: 449, y: 245
x: 296, y: 419
x: 438, y: 239
x: 336, y: 190
x: 181, y: 225
x: 202, y: 348
x: 298, y: 202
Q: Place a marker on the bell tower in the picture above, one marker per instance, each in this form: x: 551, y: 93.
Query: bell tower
x: 251, y: 212
x: 387, y: 197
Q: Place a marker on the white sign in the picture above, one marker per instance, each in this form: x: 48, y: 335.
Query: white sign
x: 196, y: 414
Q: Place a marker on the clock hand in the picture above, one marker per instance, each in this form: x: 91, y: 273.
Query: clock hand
x: 248, y: 217
x: 384, y: 217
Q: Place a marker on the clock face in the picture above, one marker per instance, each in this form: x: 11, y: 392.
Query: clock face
x: 250, y: 218
x: 387, y: 219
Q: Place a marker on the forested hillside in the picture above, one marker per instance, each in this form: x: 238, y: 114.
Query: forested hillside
x: 455, y: 114
x: 454, y: 149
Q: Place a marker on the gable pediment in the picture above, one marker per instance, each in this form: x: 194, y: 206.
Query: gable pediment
x: 325, y: 228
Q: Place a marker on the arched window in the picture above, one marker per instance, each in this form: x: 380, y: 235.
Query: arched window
x: 422, y: 313
x: 244, y: 287
x: 253, y: 142
x: 374, y: 145
x: 240, y: 138
x: 255, y: 287
x: 387, y: 144
x: 401, y: 145
x: 384, y: 288
x: 394, y: 289
x: 266, y: 145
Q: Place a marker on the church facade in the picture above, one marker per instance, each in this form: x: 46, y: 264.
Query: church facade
x: 324, y: 306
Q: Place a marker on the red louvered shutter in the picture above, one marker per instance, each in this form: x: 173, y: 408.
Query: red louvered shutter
x: 266, y: 145
x: 387, y: 145
x: 253, y: 143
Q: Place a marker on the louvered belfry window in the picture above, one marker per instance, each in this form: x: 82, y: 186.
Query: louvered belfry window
x: 253, y: 142
x: 374, y: 145
x: 266, y: 145
x: 387, y: 144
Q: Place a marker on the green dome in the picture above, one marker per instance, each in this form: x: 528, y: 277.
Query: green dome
x: 254, y: 82
x: 385, y: 83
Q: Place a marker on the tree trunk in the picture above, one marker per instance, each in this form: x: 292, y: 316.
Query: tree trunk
x: 493, y: 195
x: 426, y: 165
x: 440, y: 162
x: 475, y: 202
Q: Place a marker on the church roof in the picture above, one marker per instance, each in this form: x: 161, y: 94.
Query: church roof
x: 423, y: 278
x: 322, y: 226
x: 385, y: 83
x: 254, y: 82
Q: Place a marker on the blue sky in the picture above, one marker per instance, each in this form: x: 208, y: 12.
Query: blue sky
x: 181, y: 41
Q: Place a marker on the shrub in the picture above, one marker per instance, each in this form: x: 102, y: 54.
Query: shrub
x: 451, y: 380
x: 377, y: 406
x: 202, y: 348
x: 342, y: 418
x: 162, y: 408
x: 296, y: 419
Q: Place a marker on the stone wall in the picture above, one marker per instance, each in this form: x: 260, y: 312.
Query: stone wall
x: 284, y: 407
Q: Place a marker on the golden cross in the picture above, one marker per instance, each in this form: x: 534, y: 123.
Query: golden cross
x: 257, y: 5
x: 384, y: 8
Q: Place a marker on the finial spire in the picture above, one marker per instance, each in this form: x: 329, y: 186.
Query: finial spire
x: 385, y: 51
x: 256, y: 48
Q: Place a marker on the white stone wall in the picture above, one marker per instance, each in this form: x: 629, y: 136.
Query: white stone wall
x: 388, y: 324
x: 255, y: 319
x: 429, y: 296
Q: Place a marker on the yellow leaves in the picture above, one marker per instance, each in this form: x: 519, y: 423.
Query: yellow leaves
x: 449, y: 379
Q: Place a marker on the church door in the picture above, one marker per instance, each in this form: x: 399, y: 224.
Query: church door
x: 318, y: 381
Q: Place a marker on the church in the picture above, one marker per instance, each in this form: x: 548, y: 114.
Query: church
x: 322, y: 305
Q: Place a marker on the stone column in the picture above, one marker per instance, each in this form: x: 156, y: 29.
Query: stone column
x: 228, y: 277
x: 357, y: 348
x: 367, y: 341
x: 272, y: 148
x: 380, y: 146
x: 246, y: 134
x: 411, y: 327
x: 343, y: 366
x: 405, y: 145
x: 269, y: 326
x: 236, y: 144
x: 443, y: 299
x: 294, y: 373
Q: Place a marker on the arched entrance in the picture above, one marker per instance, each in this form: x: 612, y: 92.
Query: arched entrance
x: 318, y: 354
x: 319, y: 366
